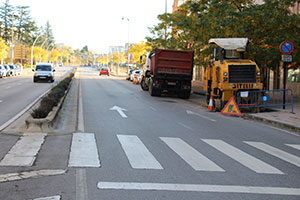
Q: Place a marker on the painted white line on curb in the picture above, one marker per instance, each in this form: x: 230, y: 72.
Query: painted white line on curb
x: 194, y: 158
x: 84, y: 151
x: 49, y: 198
x: 24, y: 152
x: 243, y: 158
x: 137, y: 153
x: 30, y: 174
x: 199, y: 188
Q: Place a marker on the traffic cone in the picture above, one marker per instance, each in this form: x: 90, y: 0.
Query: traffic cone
x: 210, y: 105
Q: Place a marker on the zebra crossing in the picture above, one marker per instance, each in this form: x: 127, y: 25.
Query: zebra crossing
x: 84, y: 152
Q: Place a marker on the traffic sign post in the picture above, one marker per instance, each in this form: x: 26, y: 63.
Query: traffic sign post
x: 286, y: 48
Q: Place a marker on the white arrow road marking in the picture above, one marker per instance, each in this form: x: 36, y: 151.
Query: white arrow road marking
x: 193, y: 113
x: 120, y: 111
x: 199, y: 188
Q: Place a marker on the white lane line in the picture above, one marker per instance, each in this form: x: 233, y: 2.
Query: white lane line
x: 81, y: 185
x: 84, y: 151
x: 199, y: 188
x: 24, y: 152
x: 197, y: 114
x: 49, y: 198
x: 190, y: 155
x: 185, y: 126
x: 295, y: 146
x: 80, y: 125
x: 137, y: 153
x: 30, y: 174
x: 8, y: 87
x: 152, y: 108
x: 243, y: 158
x: 1, y: 101
x: 276, y: 152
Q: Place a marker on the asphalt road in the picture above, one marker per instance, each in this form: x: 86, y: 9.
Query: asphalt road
x: 18, y: 92
x: 133, y: 146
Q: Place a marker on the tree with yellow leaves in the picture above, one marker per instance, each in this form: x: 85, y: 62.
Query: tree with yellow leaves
x: 138, y: 50
x: 3, y: 50
x: 55, y: 54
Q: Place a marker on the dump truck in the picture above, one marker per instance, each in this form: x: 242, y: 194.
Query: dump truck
x: 168, y: 71
x: 229, y: 73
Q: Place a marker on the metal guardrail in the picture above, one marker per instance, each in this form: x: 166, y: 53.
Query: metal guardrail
x: 265, y: 98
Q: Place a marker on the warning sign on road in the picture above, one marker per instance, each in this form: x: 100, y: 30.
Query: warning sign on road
x: 231, y: 108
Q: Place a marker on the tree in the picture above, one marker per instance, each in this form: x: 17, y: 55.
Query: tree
x: 6, y: 16
x: 24, y: 25
x: 138, y: 50
x: 196, y: 22
x: 3, y: 49
x: 55, y: 54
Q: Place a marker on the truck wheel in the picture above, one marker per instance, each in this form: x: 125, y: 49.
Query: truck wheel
x: 152, y: 90
x: 184, y: 95
x: 143, y: 85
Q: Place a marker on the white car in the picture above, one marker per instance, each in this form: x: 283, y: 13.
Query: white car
x: 43, y: 71
x: 3, y: 71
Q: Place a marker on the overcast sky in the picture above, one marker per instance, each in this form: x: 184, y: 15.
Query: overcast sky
x: 96, y: 23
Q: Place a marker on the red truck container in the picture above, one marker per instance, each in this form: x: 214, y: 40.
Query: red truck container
x: 169, y: 71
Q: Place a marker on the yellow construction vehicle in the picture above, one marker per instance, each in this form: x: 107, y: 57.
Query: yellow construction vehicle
x: 229, y: 72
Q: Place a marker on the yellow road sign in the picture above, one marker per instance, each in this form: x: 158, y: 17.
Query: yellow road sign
x: 231, y: 108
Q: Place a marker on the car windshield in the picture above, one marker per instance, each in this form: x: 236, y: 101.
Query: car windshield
x: 43, y: 68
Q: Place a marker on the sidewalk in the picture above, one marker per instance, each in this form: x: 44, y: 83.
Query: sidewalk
x: 275, y: 115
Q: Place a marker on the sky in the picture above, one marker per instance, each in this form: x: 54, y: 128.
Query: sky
x: 96, y: 23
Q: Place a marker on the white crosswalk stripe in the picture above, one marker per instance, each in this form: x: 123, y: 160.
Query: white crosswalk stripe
x: 24, y: 152
x: 137, y: 153
x: 84, y: 152
x: 296, y: 146
x: 243, y: 158
x: 190, y: 155
x: 276, y: 152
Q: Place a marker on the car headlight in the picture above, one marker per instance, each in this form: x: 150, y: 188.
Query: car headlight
x: 258, y: 73
x: 225, y: 73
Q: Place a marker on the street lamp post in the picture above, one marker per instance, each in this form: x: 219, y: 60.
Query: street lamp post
x: 32, y: 48
x: 125, y: 18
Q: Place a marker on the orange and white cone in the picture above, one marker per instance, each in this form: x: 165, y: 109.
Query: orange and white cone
x: 210, y: 105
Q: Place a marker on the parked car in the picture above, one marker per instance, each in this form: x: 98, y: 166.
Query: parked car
x: 133, y: 74
x: 3, y: 72
x: 18, y: 69
x: 44, y: 71
x: 7, y: 70
x: 129, y: 73
x: 13, y: 70
x: 104, y: 71
x: 136, y: 76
